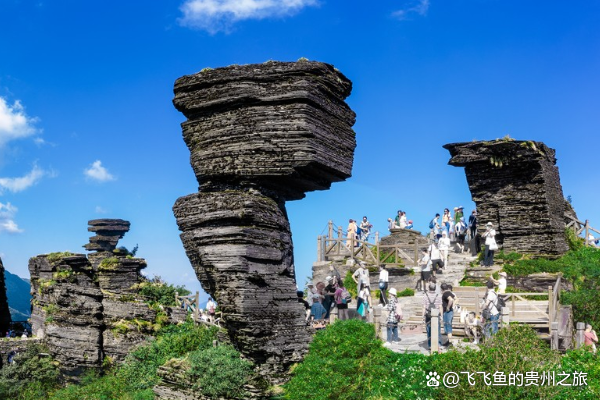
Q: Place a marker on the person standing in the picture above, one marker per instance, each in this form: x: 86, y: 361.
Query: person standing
x: 490, y: 302
x: 328, y: 294
x: 361, y: 276
x: 365, y: 229
x: 383, y: 284
x: 436, y: 257
x: 590, y: 338
x: 434, y: 226
x: 472, y: 224
x: 425, y: 263
x: 448, y: 301
x: 446, y: 220
x: 211, y: 308
x: 501, y: 282
x: 392, y: 319
x: 351, y: 234
x: 340, y: 300
x: 490, y: 244
x: 458, y: 214
x: 444, y: 246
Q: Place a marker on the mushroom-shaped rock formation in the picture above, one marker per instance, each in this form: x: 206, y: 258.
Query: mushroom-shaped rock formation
x: 108, y: 232
x: 515, y: 185
x: 259, y: 135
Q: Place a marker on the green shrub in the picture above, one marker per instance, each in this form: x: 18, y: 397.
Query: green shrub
x: 408, y: 292
x: 158, y: 292
x: 514, y: 349
x: 347, y: 361
x: 30, y: 375
x: 575, y: 242
x: 53, y: 257
x: 108, y: 264
x: 219, y: 372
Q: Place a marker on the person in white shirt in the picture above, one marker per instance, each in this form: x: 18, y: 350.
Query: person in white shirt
x: 501, y: 282
x: 425, y: 263
x: 490, y: 302
x: 436, y: 257
x: 383, y: 284
x: 472, y: 327
x: 361, y: 275
x: 444, y: 246
x: 490, y: 244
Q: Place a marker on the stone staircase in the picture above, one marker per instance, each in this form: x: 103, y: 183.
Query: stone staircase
x: 413, y: 337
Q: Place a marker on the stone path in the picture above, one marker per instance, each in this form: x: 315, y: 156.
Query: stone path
x: 413, y: 338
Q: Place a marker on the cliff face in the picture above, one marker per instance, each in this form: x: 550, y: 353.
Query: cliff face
x: 87, y: 308
x: 516, y: 186
x: 259, y: 135
x: 4, y: 309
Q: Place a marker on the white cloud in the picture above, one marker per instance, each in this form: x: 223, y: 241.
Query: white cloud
x: 220, y: 15
x: 19, y: 184
x: 98, y: 173
x: 101, y: 210
x: 419, y: 7
x: 7, y: 223
x: 14, y: 123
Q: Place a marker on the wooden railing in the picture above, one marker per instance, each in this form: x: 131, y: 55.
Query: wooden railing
x: 580, y: 227
x: 189, y: 303
x: 373, y: 253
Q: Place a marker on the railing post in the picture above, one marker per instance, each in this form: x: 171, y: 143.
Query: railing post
x: 417, y: 253
x: 513, y: 305
x: 333, y: 315
x: 177, y: 298
x: 197, y: 300
x: 550, y: 306
x: 377, y: 237
x: 505, y: 317
x: 579, y: 335
x: 320, y: 255
x: 330, y: 229
x: 587, y: 232
x: 554, y: 335
x: 435, y: 327
x: 376, y: 320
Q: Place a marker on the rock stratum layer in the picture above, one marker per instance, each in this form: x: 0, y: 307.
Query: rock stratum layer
x: 516, y: 186
x: 259, y: 135
x: 88, y: 310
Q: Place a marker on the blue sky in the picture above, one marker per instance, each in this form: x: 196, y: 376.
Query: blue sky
x: 88, y: 130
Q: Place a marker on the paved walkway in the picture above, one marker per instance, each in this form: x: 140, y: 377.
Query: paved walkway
x: 413, y: 338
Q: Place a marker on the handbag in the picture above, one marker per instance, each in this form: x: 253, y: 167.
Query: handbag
x: 382, y: 285
x: 493, y: 245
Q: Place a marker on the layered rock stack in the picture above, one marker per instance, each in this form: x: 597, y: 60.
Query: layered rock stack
x: 259, y: 135
x: 87, y: 309
x: 4, y: 309
x: 516, y: 186
x: 108, y: 232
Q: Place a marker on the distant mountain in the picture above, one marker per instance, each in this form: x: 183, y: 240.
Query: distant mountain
x: 19, y: 299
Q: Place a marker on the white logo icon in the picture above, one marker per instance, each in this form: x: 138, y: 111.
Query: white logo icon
x: 433, y: 379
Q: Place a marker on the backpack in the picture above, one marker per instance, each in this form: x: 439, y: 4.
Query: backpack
x: 346, y: 296
x: 500, y: 304
x: 431, y: 224
x: 431, y: 307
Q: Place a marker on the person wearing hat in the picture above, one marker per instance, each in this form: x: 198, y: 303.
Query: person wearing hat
x: 501, y: 282
x: 490, y: 244
x: 458, y: 214
x: 394, y: 316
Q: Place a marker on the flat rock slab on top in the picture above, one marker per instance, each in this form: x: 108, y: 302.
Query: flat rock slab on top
x: 282, y: 125
x: 108, y: 232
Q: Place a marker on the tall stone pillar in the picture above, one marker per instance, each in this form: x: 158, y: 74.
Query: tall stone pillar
x: 259, y: 135
x: 515, y: 185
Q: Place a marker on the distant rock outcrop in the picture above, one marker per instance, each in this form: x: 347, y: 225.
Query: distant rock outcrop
x: 259, y: 135
x: 87, y: 309
x: 516, y: 186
